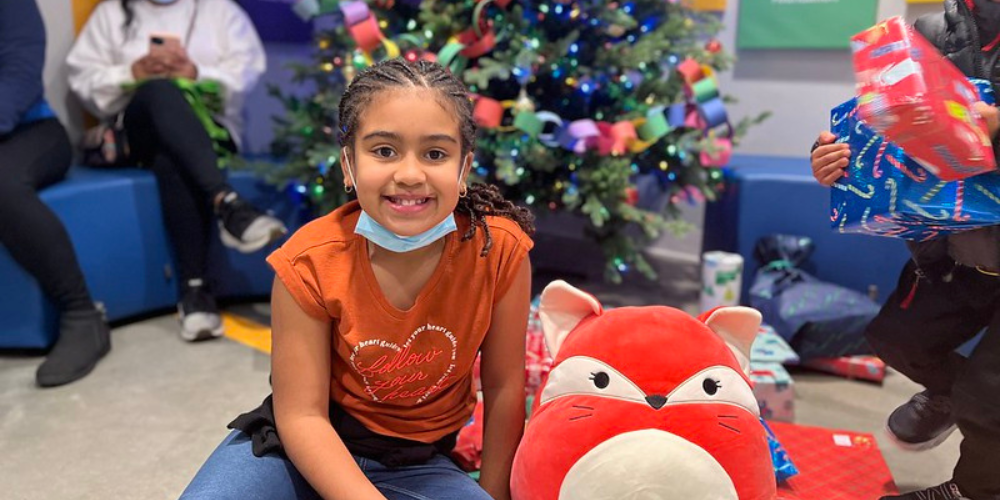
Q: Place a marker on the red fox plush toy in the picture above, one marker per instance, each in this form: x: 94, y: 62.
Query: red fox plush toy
x: 644, y: 403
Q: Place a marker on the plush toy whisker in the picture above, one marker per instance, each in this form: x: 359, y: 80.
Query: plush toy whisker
x: 581, y: 416
x: 730, y: 428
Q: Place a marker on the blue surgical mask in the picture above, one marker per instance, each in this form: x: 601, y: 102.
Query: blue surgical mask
x: 376, y: 233
x: 162, y: 2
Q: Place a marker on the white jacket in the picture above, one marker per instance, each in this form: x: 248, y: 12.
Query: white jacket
x: 223, y: 44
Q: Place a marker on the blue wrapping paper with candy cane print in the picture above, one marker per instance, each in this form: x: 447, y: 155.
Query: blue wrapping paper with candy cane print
x: 886, y: 193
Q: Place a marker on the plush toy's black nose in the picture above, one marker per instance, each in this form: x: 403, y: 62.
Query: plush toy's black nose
x: 656, y: 401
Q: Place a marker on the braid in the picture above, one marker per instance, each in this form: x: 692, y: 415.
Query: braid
x: 485, y: 199
x: 400, y: 73
x: 482, y: 199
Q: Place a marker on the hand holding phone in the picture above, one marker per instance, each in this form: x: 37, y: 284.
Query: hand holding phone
x: 162, y: 45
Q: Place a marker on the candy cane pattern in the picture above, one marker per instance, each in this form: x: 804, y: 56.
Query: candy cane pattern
x: 920, y: 177
x: 843, y: 220
x: 959, y: 200
x: 933, y: 192
x: 920, y: 210
x: 864, y: 219
x: 854, y: 189
x: 864, y: 151
x: 836, y: 214
x: 891, y: 184
x: 879, y: 156
x: 988, y: 194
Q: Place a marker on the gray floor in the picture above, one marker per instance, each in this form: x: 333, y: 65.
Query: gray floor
x: 143, y: 422
x: 141, y: 425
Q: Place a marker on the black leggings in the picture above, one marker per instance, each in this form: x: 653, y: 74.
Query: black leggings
x: 32, y: 157
x: 165, y: 136
x: 920, y: 342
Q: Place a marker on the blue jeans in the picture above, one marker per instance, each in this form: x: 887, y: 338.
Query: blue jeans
x: 233, y: 472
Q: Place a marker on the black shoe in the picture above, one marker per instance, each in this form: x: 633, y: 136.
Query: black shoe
x: 84, y: 338
x: 199, y: 315
x: 946, y: 491
x: 243, y: 227
x: 921, y: 423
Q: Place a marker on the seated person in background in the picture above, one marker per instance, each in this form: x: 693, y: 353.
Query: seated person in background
x: 34, y: 153
x: 131, y: 61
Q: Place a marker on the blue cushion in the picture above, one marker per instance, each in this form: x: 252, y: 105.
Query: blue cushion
x: 768, y: 195
x: 115, y: 223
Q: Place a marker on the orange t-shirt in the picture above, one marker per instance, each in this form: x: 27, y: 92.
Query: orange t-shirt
x: 406, y: 374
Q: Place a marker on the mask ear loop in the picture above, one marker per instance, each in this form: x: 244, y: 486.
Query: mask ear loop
x: 463, y: 189
x: 350, y: 171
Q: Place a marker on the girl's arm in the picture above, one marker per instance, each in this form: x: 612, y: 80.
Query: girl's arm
x: 94, y: 76
x: 503, y: 384
x: 300, y: 369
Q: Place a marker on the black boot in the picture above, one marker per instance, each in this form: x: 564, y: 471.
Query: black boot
x: 84, y: 338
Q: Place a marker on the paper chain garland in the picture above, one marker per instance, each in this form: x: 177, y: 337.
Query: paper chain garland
x: 703, y: 109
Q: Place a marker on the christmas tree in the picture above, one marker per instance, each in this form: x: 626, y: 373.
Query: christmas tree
x: 575, y: 101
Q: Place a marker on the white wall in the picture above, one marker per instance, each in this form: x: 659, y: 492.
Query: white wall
x: 58, y: 17
x: 799, y: 87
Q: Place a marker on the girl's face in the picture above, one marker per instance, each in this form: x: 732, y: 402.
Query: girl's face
x: 407, y: 160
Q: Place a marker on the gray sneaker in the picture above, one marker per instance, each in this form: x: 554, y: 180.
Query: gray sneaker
x: 199, y: 315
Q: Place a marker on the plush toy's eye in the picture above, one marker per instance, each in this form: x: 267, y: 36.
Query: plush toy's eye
x: 601, y: 379
x: 711, y: 386
x: 715, y: 385
x: 586, y: 376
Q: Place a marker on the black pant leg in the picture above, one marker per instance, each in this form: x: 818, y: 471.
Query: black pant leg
x: 920, y: 340
x: 976, y: 398
x: 32, y: 157
x: 159, y: 121
x: 187, y: 217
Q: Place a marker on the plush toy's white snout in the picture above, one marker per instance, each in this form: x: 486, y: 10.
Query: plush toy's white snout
x: 647, y: 464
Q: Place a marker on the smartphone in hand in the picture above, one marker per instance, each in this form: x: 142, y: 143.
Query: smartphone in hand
x: 162, y: 43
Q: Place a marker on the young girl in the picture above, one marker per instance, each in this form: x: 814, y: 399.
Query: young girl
x: 379, y: 310
x: 947, y: 293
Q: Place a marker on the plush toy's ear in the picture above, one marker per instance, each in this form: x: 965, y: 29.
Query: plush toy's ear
x: 562, y: 308
x: 737, y: 326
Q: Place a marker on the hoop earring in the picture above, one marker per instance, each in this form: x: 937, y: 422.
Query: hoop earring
x: 348, y: 188
x: 462, y: 193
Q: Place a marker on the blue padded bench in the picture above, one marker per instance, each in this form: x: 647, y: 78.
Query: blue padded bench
x: 767, y: 195
x: 114, y: 220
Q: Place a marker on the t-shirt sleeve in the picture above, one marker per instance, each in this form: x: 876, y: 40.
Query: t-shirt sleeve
x: 301, y: 279
x: 515, y: 248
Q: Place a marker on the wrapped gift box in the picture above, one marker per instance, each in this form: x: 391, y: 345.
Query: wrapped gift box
x: 833, y: 464
x: 769, y: 347
x: 912, y: 95
x: 537, y: 361
x: 468, y: 451
x: 775, y: 391
x: 886, y: 193
x: 868, y: 368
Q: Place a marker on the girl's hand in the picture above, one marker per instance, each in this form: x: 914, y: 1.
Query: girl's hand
x: 181, y: 65
x: 148, y: 67
x: 992, y: 116
x: 829, y: 160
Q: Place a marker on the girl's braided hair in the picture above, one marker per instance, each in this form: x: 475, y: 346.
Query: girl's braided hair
x: 481, y: 199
